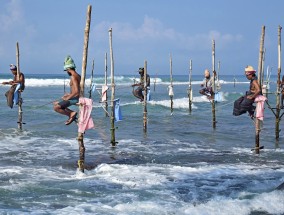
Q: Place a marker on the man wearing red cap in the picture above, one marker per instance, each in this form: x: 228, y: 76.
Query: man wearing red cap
x: 245, y: 103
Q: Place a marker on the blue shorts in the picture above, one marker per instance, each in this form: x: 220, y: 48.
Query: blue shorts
x: 66, y: 103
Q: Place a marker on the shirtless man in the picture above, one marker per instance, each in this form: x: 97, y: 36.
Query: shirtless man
x: 254, y: 89
x: 71, y: 98
x: 245, y: 103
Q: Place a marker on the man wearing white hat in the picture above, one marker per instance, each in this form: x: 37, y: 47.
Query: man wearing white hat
x: 207, y: 85
x: 254, y: 89
x: 245, y: 103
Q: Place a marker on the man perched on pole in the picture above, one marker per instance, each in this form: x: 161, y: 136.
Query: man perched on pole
x: 245, y: 103
x: 18, y: 85
x: 71, y: 98
x: 138, y: 91
x: 207, y: 84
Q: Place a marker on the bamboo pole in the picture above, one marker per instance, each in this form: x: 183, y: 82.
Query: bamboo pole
x: 112, y: 129
x: 171, y: 93
x: 145, y: 98
x: 278, y: 90
x: 91, y: 82
x: 218, y: 83
x: 189, y: 91
x: 81, y: 161
x: 20, y: 110
x: 106, y: 103
x: 268, y: 73
x: 64, y: 86
x: 260, y: 66
x: 213, y: 87
x: 155, y: 80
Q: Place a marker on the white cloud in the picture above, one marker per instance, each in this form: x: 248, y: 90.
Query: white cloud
x: 150, y: 29
x: 204, y: 40
x: 153, y: 30
x: 14, y: 27
x: 13, y: 14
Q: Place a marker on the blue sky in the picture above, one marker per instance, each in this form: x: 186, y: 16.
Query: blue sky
x: 149, y: 30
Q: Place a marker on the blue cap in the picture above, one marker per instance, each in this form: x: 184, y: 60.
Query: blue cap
x: 13, y: 67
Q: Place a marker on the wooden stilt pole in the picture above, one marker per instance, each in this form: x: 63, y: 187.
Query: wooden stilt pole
x: 218, y: 86
x: 145, y: 98
x: 92, y: 76
x: 265, y: 90
x: 171, y: 91
x: 81, y: 161
x: 64, y: 86
x: 260, y: 66
x: 155, y: 80
x: 278, y: 90
x: 106, y: 102
x: 112, y: 128
x: 213, y: 87
x: 262, y: 70
x: 189, y: 90
x: 20, y: 110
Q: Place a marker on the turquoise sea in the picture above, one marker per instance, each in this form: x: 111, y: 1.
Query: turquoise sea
x: 181, y: 165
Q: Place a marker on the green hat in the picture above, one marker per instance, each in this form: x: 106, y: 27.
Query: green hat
x: 69, y: 63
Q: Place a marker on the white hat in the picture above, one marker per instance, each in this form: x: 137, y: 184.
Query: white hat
x: 206, y: 72
x: 249, y: 70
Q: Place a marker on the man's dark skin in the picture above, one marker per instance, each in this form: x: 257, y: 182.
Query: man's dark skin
x: 75, y: 79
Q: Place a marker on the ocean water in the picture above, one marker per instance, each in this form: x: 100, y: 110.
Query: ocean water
x: 181, y: 165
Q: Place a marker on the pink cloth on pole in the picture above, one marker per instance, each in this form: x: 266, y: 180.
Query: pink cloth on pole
x: 104, y: 92
x: 85, y: 121
x: 260, y: 99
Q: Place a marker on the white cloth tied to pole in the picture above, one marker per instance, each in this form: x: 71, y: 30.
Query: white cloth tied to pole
x: 171, y: 90
x: 148, y: 94
x: 104, y: 93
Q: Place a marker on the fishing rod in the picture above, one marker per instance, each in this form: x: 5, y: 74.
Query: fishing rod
x: 36, y: 107
x: 91, y: 84
x: 6, y: 82
x: 124, y: 87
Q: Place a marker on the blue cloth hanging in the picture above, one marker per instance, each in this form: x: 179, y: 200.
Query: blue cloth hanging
x: 117, y: 110
x: 16, y: 94
x: 218, y: 97
x: 93, y: 87
x: 148, y: 94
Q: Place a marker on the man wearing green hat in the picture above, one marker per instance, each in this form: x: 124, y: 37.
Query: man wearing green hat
x: 71, y: 98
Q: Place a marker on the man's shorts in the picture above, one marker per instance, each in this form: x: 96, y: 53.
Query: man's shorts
x: 66, y: 103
